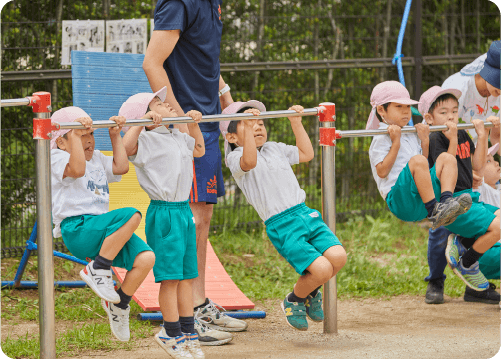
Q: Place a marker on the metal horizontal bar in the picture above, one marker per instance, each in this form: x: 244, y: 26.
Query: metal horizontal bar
x: 186, y: 119
x: 15, y: 102
x: 405, y: 129
x: 34, y: 75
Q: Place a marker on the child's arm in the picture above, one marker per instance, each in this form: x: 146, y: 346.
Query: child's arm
x: 495, y: 131
x: 452, y: 135
x: 194, y: 131
x: 423, y: 132
x: 480, y: 156
x: 303, y: 142
x: 76, y: 164
x: 131, y: 136
x: 120, y: 163
x: 249, y: 157
x: 384, y: 168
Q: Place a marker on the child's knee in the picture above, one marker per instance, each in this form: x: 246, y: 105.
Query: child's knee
x: 418, y: 161
x: 322, y: 270
x: 135, y: 219
x: 145, y: 260
x: 446, y: 158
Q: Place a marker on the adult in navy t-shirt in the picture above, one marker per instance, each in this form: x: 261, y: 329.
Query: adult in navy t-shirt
x: 183, y: 54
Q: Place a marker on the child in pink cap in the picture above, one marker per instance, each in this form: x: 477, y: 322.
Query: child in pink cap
x: 400, y: 166
x: 163, y: 159
x: 80, y: 211
x: 440, y: 107
x: 262, y: 170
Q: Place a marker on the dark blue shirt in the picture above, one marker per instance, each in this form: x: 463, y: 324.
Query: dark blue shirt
x: 193, y: 66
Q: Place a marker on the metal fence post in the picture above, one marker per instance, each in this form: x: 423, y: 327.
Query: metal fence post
x: 42, y: 128
x: 327, y: 116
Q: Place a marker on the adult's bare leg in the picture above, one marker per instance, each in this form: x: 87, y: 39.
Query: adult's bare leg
x: 203, y: 214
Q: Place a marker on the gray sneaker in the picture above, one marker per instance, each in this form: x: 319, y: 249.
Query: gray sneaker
x: 446, y: 213
x: 212, y: 317
x: 208, y: 336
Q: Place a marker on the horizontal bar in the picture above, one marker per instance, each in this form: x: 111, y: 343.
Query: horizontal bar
x: 186, y: 119
x: 405, y: 129
x: 259, y: 314
x: 34, y: 284
x: 15, y: 102
x: 33, y: 75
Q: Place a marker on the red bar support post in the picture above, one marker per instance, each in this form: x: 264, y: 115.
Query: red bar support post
x: 42, y: 127
x: 328, y: 135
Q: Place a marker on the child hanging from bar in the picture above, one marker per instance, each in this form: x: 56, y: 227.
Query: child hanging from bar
x: 80, y: 211
x: 163, y: 159
x: 400, y: 167
x: 263, y: 172
x: 481, y: 223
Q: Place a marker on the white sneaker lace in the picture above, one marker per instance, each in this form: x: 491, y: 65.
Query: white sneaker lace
x: 213, y: 308
x: 200, y: 323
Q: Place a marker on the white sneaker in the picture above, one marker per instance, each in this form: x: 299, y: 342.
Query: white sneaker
x: 212, y: 317
x: 208, y: 336
x: 119, y: 320
x: 100, y: 281
x: 175, y: 347
x: 193, y: 346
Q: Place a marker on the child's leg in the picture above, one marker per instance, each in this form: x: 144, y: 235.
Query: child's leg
x: 115, y: 242
x: 336, y: 255
x: 142, y: 265
x: 319, y: 272
x: 167, y: 298
x: 447, y: 171
x: 185, y: 298
x: 485, y: 242
x: 446, y: 168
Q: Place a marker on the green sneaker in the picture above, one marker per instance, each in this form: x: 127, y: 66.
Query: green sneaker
x: 295, y: 313
x: 454, y: 251
x: 472, y: 276
x: 314, y: 307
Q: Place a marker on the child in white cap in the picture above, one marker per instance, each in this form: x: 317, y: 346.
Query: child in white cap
x: 80, y: 211
x: 481, y: 223
x: 263, y: 172
x: 163, y: 159
x: 400, y: 167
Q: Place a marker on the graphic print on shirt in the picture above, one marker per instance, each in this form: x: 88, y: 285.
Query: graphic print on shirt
x: 495, y: 109
x: 98, y: 184
x: 463, y: 150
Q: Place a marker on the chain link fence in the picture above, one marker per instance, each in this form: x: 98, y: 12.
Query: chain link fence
x: 277, y: 52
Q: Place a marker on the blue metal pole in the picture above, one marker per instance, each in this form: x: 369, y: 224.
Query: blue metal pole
x: 238, y: 315
x: 26, y: 256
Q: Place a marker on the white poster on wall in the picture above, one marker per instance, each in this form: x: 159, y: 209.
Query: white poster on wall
x: 84, y: 35
x: 126, y: 36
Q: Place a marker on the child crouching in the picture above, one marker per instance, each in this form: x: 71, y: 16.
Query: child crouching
x: 263, y: 172
x: 80, y: 211
x: 163, y: 159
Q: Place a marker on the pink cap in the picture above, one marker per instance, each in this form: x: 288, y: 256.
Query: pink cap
x: 493, y: 149
x: 66, y: 114
x: 234, y: 108
x: 135, y: 107
x: 386, y: 92
x: 430, y: 96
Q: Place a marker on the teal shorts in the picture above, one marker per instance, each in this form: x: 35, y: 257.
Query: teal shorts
x: 170, y: 232
x: 84, y: 236
x: 490, y: 262
x: 476, y: 221
x: 404, y: 200
x: 300, y: 236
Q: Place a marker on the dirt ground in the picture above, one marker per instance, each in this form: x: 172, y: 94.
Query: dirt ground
x: 403, y: 327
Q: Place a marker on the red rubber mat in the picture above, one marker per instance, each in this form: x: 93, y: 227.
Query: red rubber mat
x: 218, y: 286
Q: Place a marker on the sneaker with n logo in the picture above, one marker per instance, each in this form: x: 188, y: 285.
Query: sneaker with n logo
x: 100, y: 281
x: 174, y: 347
x: 295, y: 314
x: 119, y: 320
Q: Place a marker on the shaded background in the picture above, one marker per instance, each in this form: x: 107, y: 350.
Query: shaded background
x: 340, y: 50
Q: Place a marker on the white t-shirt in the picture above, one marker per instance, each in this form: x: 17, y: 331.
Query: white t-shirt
x: 271, y: 187
x: 89, y: 194
x: 164, y: 164
x: 488, y: 194
x: 410, y: 146
x: 471, y: 104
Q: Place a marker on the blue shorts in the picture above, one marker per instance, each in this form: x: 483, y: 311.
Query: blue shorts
x: 300, y: 236
x: 208, y: 183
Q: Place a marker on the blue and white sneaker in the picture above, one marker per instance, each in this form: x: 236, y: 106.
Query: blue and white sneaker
x: 174, y: 347
x: 472, y: 276
x: 454, y: 251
